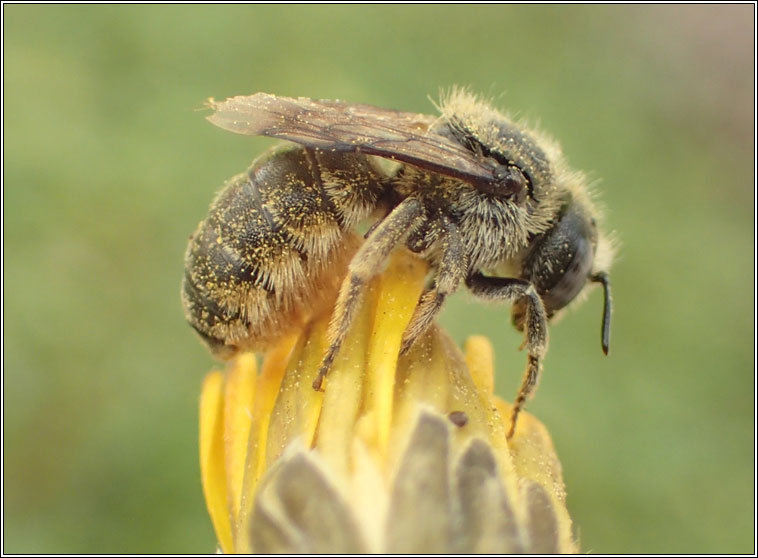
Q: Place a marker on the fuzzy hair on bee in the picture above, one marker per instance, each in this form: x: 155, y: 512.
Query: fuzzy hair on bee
x: 488, y: 202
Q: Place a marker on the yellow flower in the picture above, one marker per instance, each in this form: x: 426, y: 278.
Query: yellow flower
x: 403, y: 455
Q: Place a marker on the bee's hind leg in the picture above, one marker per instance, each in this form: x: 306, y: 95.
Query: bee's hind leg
x: 535, y: 341
x: 363, y: 267
x: 450, y: 271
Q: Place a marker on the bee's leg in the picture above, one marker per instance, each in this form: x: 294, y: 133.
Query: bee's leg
x: 513, y: 290
x: 363, y: 267
x: 450, y: 271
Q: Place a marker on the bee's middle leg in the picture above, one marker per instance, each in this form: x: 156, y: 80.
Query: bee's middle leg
x: 450, y: 272
x: 502, y: 288
x: 363, y: 267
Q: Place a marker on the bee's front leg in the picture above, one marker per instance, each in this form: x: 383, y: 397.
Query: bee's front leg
x: 515, y: 290
x: 366, y: 264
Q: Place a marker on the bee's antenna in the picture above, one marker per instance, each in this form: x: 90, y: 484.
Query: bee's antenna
x: 602, y: 277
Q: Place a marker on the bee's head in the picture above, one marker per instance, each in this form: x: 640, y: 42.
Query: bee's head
x: 561, y: 261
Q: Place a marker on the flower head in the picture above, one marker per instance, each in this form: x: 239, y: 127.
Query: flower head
x: 398, y: 454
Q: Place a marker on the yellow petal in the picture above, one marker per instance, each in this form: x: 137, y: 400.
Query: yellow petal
x: 421, y: 382
x: 212, y: 470
x: 344, y: 390
x: 239, y: 391
x: 481, y: 362
x: 296, y: 411
x: 400, y: 288
x: 357, y: 440
x: 266, y: 389
x: 534, y: 459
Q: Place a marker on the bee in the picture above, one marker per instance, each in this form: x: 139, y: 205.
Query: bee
x: 487, y: 202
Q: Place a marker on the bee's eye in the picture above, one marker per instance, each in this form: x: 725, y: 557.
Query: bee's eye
x: 560, y: 261
x: 510, y: 183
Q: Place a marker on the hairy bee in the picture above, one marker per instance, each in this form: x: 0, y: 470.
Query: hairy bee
x: 486, y: 201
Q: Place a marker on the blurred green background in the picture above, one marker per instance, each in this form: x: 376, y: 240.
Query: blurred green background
x: 109, y: 167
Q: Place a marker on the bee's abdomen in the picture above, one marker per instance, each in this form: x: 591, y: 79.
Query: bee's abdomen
x: 272, y: 250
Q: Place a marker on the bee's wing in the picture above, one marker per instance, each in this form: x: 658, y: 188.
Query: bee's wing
x: 338, y: 126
